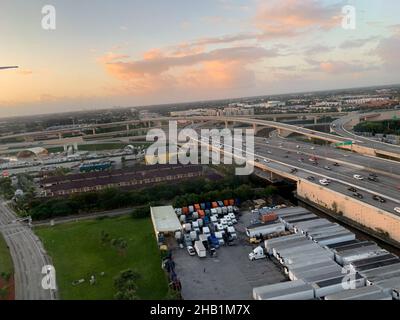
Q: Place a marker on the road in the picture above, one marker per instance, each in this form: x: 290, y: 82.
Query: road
x: 28, y: 257
x: 338, y: 126
x: 341, y: 176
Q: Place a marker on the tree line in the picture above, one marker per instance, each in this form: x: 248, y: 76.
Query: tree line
x: 182, y: 193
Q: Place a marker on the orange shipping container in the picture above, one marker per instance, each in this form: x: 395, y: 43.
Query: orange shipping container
x: 269, y: 217
x: 231, y: 202
x: 197, y: 207
x: 215, y: 205
x: 201, y: 213
x: 226, y: 203
x: 185, y: 210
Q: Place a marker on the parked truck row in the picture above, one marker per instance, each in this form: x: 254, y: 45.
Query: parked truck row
x: 205, y: 230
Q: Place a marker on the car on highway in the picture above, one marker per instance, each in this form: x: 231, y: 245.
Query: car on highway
x: 269, y: 152
x: 358, y: 195
x: 266, y: 161
x: 397, y: 209
x: 294, y: 170
x: 327, y: 168
x: 312, y: 148
x: 352, y: 189
x: 191, y: 251
x: 378, y: 198
x: 374, y: 179
x: 336, y: 164
x: 324, y: 182
x: 310, y: 178
x: 301, y: 160
x: 358, y: 177
x: 257, y: 160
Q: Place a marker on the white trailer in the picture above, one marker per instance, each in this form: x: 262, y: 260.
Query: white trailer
x: 264, y: 229
x: 200, y: 249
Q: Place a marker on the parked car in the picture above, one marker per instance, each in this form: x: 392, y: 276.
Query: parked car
x: 191, y: 251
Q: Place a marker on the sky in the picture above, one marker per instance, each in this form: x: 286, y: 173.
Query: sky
x: 129, y: 52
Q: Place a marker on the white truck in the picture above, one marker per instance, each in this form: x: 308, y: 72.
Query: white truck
x: 200, y: 249
x: 257, y: 253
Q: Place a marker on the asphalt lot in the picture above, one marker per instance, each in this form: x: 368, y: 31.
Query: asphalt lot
x: 229, y: 276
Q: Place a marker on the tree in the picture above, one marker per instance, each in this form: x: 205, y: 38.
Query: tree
x: 126, y: 285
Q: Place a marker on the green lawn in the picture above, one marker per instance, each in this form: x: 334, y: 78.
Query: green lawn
x: 6, y: 264
x: 77, y: 253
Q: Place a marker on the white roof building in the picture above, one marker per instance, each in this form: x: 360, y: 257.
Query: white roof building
x: 164, y: 220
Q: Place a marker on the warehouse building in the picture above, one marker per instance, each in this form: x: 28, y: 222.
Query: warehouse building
x: 129, y: 178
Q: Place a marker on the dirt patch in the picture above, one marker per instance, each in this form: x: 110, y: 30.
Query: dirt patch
x: 7, y: 289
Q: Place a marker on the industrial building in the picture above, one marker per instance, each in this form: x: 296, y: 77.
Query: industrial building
x: 129, y: 178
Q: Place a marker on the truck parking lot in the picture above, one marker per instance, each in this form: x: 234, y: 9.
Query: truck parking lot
x: 230, y: 275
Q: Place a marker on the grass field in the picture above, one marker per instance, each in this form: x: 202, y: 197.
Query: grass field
x: 77, y: 253
x: 6, y: 264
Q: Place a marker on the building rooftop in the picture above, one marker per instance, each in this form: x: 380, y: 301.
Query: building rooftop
x: 164, y: 219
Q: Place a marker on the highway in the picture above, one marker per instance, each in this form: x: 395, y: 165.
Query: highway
x: 339, y: 127
x: 341, y: 176
x: 28, y: 257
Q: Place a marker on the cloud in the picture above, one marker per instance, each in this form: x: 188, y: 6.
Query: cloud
x: 339, y: 67
x: 388, y: 51
x: 357, y: 43
x: 286, y: 18
x: 160, y: 71
x: 24, y: 72
x: 155, y: 62
x: 317, y: 49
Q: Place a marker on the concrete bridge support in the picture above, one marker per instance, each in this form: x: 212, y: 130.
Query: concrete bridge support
x: 284, y: 133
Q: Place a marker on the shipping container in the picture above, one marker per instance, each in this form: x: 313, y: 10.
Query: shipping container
x: 208, y: 205
x: 226, y: 203
x: 197, y: 207
x: 185, y: 210
x: 303, y: 292
x: 191, y: 209
x: 390, y: 286
x: 331, y: 286
x: 215, y: 205
x: 231, y: 202
x: 344, y: 295
x: 264, y: 229
x: 202, y: 206
x: 220, y: 203
x: 259, y: 291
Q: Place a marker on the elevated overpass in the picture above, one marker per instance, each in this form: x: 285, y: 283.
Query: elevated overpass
x: 343, y: 127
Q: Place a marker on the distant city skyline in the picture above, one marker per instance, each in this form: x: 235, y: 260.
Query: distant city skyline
x: 159, y: 52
